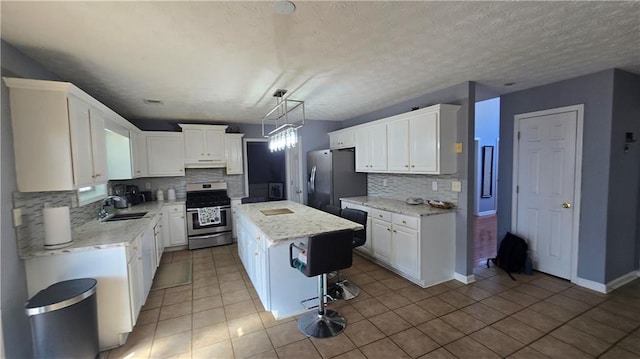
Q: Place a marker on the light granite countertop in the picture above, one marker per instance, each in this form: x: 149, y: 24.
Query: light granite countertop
x: 303, y: 222
x: 99, y: 235
x: 396, y: 206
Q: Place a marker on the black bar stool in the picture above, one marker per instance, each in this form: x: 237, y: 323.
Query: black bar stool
x: 349, y: 289
x: 322, y: 254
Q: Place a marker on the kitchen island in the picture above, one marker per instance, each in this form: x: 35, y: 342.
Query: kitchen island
x: 265, y: 231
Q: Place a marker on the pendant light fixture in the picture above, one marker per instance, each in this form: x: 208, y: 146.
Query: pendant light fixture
x: 285, y: 134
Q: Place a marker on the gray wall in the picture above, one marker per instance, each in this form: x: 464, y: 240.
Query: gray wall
x: 624, y: 181
x: 13, y: 291
x: 604, y: 168
x: 462, y: 94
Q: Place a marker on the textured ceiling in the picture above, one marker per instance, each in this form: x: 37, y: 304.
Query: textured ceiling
x: 222, y: 61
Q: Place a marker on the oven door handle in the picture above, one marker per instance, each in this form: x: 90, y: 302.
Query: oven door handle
x: 196, y: 209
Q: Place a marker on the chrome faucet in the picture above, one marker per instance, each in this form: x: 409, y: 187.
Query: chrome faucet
x: 108, y: 202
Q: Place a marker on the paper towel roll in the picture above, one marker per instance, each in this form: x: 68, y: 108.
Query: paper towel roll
x: 57, y: 227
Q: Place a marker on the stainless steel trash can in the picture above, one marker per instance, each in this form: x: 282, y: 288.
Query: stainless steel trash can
x: 64, y: 320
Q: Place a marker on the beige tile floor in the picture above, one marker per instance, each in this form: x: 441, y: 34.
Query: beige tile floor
x: 539, y: 316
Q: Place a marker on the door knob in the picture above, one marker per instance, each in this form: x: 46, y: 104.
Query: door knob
x: 566, y: 205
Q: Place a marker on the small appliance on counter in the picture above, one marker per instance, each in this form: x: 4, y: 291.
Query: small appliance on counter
x: 132, y: 194
x: 147, y: 196
x: 171, y: 194
x: 159, y: 195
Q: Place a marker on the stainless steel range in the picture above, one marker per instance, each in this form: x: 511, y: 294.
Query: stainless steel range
x: 208, y: 195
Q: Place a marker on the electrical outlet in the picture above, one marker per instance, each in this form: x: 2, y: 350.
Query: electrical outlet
x: 384, y: 182
x: 17, y: 217
x: 458, y: 147
x: 456, y: 186
x: 434, y: 185
x: 147, y: 185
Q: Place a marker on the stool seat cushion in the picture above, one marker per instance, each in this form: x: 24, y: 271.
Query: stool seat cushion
x: 328, y: 252
x: 358, y: 216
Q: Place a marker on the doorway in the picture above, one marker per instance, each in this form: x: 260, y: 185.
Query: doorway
x: 486, y: 133
x: 546, y: 187
x: 266, y: 172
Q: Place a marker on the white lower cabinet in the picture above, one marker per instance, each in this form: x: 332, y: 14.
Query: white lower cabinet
x: 420, y: 248
x: 124, y: 275
x: 280, y: 288
x: 405, y: 250
x: 136, y: 290
x: 234, y: 209
x: 175, y: 229
x: 381, y: 240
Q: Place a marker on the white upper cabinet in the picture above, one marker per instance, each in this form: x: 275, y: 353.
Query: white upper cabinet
x: 233, y: 144
x: 371, y: 148
x: 342, y: 139
x: 58, y: 136
x: 204, y: 146
x: 421, y: 141
x: 120, y: 151
x: 139, y: 148
x: 165, y: 153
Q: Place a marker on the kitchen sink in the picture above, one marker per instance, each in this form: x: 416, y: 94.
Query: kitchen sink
x: 125, y: 216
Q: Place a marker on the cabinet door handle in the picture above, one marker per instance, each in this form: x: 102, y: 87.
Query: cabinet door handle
x: 202, y: 154
x: 389, y: 229
x: 380, y: 215
x: 404, y: 222
x: 406, y: 165
x: 413, y: 165
x: 394, y: 231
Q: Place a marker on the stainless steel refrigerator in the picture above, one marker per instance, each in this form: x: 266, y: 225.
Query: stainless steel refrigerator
x: 331, y: 175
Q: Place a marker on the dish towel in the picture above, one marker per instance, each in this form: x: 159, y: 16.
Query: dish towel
x: 209, y: 215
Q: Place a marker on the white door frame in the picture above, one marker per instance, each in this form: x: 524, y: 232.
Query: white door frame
x: 577, y: 190
x: 294, y: 172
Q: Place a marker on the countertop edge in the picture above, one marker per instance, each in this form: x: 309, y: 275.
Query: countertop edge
x: 364, y: 201
x: 79, y: 246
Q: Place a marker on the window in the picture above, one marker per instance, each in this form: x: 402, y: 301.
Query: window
x: 91, y: 194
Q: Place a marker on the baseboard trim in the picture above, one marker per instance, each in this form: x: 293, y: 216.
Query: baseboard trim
x: 466, y: 279
x: 486, y: 213
x: 609, y: 287
x: 589, y: 284
x: 622, y: 280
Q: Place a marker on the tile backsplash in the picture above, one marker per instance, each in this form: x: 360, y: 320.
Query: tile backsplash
x: 402, y: 186
x: 235, y: 183
x: 31, y: 232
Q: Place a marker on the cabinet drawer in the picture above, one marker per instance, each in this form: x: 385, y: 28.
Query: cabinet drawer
x: 406, y: 221
x: 173, y: 208
x: 381, y: 215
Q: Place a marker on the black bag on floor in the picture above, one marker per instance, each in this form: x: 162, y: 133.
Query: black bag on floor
x: 512, y: 254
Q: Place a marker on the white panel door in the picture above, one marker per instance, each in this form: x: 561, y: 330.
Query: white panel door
x: 294, y: 172
x: 546, y: 155
x: 194, y: 145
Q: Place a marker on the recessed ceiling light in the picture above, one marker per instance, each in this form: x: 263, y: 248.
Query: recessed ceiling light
x: 284, y: 7
x: 152, y: 102
x: 509, y: 84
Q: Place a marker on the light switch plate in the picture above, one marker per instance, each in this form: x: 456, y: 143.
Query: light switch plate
x: 147, y: 185
x: 384, y: 182
x: 17, y: 217
x: 456, y: 186
x: 458, y: 147
x: 434, y: 185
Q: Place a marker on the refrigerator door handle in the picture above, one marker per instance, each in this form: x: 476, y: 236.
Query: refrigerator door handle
x: 312, y: 181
